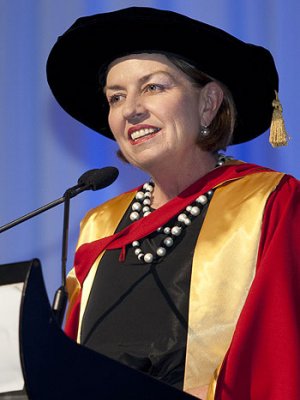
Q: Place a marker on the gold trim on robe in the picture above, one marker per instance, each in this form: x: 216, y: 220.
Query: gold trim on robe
x: 100, y: 222
x: 223, y: 268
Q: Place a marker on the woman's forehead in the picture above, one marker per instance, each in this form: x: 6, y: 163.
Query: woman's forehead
x: 154, y: 57
x: 142, y: 63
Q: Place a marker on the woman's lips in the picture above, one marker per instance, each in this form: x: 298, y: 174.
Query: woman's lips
x: 141, y: 134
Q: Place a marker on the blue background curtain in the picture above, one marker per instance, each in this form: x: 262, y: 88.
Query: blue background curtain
x: 43, y: 151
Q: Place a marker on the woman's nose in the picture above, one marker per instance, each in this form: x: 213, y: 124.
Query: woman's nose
x: 134, y: 108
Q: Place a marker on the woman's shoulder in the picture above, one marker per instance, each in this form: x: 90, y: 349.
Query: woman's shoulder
x: 246, y: 169
x: 110, y: 206
x: 102, y: 220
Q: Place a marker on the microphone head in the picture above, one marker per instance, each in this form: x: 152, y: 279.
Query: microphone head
x: 96, y: 179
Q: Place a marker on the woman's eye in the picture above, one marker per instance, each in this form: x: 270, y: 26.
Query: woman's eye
x: 115, y: 98
x: 153, y: 87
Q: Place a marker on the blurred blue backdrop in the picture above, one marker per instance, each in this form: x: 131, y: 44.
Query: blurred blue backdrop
x: 43, y: 150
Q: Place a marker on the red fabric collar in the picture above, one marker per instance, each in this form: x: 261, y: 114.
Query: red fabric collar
x: 88, y: 252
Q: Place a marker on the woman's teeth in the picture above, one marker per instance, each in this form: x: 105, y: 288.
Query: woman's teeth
x: 143, y: 132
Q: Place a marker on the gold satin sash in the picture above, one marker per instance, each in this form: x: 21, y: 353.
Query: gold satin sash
x: 224, y: 266
x: 100, y: 222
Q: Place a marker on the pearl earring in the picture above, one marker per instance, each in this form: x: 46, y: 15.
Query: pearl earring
x: 204, y: 131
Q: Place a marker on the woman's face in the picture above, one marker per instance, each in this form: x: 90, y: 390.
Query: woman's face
x: 154, y: 110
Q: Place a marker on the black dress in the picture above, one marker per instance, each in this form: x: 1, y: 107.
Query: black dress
x: 137, y: 313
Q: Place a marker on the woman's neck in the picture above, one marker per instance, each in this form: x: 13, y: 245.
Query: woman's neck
x: 173, y: 178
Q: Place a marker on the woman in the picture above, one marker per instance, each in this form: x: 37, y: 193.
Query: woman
x: 193, y: 277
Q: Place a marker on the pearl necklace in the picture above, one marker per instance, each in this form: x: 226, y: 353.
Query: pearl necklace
x: 141, y: 208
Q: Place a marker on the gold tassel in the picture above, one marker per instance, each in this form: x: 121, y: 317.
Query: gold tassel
x: 278, y: 133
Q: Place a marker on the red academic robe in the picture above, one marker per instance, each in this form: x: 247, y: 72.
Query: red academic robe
x: 263, y: 361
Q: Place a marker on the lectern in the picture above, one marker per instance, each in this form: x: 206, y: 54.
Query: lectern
x: 55, y: 367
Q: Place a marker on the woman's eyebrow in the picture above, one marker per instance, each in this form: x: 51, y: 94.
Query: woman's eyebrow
x: 141, y: 80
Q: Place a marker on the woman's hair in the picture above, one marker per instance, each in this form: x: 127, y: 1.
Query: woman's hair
x: 222, y: 126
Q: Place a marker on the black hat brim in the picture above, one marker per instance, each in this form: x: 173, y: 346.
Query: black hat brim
x: 91, y: 42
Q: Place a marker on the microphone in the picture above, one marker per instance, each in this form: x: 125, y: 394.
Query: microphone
x: 94, y: 179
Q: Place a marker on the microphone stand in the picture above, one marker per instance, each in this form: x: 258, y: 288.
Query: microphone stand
x: 31, y: 214
x: 94, y: 179
x: 74, y: 191
x: 61, y: 295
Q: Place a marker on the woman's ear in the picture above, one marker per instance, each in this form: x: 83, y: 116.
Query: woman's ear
x: 211, y: 100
